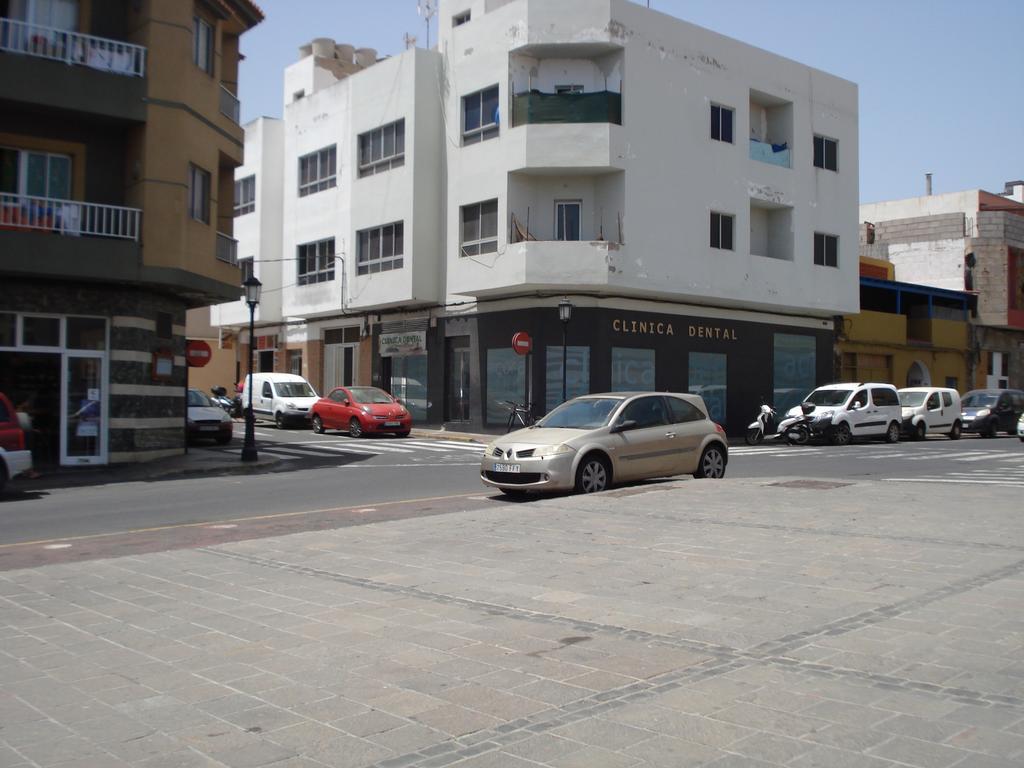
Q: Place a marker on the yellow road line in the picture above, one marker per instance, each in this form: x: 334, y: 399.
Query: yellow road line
x: 252, y: 518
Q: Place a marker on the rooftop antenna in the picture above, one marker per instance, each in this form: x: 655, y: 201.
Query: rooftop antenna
x: 427, y: 9
x: 410, y: 41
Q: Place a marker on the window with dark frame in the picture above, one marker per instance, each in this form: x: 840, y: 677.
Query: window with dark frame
x: 198, y: 194
x: 382, y: 148
x: 479, y: 228
x: 315, y: 262
x: 295, y: 362
x: 721, y: 231
x: 246, y: 268
x: 245, y: 195
x: 202, y: 44
x: 826, y: 153
x: 480, y: 116
x: 318, y: 170
x: 826, y: 250
x: 567, y: 219
x: 380, y: 249
x: 460, y: 18
x: 721, y: 123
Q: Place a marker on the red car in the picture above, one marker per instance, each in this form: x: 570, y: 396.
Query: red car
x: 360, y: 411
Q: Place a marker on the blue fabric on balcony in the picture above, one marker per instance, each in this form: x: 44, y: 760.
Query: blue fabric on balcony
x: 776, y: 154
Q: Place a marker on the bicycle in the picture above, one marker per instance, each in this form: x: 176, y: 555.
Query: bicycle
x: 520, y: 416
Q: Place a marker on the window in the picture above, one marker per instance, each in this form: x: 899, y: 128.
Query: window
x: 198, y: 194
x: 682, y: 411
x: 295, y: 361
x: 245, y: 267
x: 380, y: 249
x: 646, y: 412
x: 37, y: 174
x: 315, y: 262
x: 567, y: 219
x: 721, y: 123
x: 947, y: 399
x: 318, y: 171
x: 479, y: 228
x: 506, y: 380
x: 39, y: 331
x: 632, y: 369
x: 826, y: 250
x: 826, y: 153
x: 568, y: 89
x: 202, y: 44
x: 793, y: 369
x: 164, y: 325
x: 933, y: 402
x: 708, y: 378
x: 382, y: 149
x: 480, y: 115
x: 245, y: 195
x: 721, y: 231
x: 884, y: 397
x: 460, y: 18
x: 577, y: 374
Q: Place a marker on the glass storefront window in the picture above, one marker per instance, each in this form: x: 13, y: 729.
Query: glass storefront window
x: 40, y: 331
x: 409, y: 384
x: 8, y: 329
x: 794, y: 370
x: 632, y: 369
x: 506, y: 380
x: 708, y: 379
x: 87, y: 333
x: 577, y: 379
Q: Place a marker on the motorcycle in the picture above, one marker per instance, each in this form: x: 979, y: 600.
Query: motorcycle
x: 768, y: 425
x: 220, y: 398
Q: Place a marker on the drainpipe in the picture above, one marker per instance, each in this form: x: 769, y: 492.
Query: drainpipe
x: 928, y: 184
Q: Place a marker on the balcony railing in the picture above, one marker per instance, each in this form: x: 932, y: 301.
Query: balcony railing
x: 766, y: 152
x: 68, y: 217
x: 227, y: 249
x: 229, y: 104
x: 536, y: 107
x: 72, y: 48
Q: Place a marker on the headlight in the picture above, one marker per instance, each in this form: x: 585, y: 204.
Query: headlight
x: 823, y: 415
x: 366, y: 409
x: 289, y: 405
x: 552, y: 450
x: 984, y: 412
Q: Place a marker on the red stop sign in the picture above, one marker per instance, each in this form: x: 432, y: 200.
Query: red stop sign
x: 197, y: 353
x: 522, y: 343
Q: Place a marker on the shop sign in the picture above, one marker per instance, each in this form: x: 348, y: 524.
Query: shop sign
x: 405, y: 343
x: 659, y: 328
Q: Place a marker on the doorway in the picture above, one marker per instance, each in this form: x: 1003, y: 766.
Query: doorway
x: 457, y: 378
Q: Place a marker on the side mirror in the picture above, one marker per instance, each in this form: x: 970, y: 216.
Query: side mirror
x: 855, y: 405
x: 346, y: 402
x: 623, y: 426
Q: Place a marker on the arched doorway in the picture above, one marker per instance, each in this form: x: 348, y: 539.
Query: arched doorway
x: 918, y: 375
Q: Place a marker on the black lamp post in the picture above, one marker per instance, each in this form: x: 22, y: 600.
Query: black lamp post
x: 564, y: 314
x: 252, y: 298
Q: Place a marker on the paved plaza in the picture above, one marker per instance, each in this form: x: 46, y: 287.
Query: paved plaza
x: 777, y: 622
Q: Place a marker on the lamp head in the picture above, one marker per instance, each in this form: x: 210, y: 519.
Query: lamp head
x: 252, y: 288
x: 565, y: 310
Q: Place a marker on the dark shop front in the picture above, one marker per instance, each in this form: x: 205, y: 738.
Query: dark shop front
x: 733, y: 364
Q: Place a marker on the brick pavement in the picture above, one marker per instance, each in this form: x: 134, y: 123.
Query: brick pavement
x: 728, y: 623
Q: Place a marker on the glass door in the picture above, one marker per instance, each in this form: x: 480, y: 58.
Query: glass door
x: 84, y: 418
x: 457, y: 378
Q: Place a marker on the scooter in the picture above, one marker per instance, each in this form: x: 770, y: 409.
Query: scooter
x: 768, y: 426
x: 220, y: 398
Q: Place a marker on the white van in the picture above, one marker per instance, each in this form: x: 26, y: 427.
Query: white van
x: 845, y: 411
x: 283, y: 398
x: 930, y: 409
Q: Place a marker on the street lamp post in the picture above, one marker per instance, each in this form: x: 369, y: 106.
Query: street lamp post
x: 564, y: 314
x: 252, y: 298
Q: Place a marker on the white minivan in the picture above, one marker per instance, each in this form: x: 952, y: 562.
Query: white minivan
x: 845, y: 411
x: 283, y: 398
x: 930, y: 409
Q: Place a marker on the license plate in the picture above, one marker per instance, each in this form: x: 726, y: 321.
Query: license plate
x: 506, y: 467
x: 208, y: 429
x: 392, y: 423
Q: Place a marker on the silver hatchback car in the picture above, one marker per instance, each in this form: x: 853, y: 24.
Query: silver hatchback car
x: 589, y: 442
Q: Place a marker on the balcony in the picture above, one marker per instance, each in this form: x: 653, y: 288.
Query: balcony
x: 227, y: 249
x: 72, y: 48
x: 229, y: 105
x: 68, y: 217
x: 534, y: 107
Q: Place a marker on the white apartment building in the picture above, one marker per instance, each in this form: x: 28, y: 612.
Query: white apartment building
x: 692, y: 197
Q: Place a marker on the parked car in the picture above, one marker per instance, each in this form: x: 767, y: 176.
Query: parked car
x: 207, y: 421
x: 15, y: 457
x: 1020, y: 428
x: 590, y: 442
x: 988, y: 411
x: 930, y: 409
x: 283, y: 398
x: 843, y: 412
x: 361, y: 411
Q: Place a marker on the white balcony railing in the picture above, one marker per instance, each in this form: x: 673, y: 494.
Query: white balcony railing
x: 72, y: 48
x: 229, y: 104
x: 68, y: 217
x: 227, y: 249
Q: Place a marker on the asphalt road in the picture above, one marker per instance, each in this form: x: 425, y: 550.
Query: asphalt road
x: 337, y: 481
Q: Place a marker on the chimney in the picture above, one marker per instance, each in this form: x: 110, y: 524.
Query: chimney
x: 928, y: 184
x: 1014, y: 190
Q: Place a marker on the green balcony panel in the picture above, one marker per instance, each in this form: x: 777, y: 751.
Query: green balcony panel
x: 535, y: 107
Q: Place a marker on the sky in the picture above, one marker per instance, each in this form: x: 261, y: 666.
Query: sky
x: 939, y: 80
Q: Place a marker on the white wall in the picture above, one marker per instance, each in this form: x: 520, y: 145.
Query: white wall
x: 926, y: 205
x: 939, y: 263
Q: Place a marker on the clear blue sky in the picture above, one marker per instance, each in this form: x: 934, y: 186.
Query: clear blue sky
x: 940, y: 80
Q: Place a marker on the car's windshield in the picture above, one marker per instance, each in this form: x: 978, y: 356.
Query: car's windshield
x: 828, y: 396
x: 197, y: 398
x: 370, y: 395
x: 584, y: 413
x: 294, y: 389
x: 980, y: 400
x: 912, y: 399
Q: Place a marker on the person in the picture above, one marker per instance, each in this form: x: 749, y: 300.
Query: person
x: 25, y: 411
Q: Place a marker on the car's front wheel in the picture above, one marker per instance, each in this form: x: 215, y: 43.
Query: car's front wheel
x: 841, y: 434
x: 355, y: 428
x: 956, y: 431
x: 712, y: 464
x: 593, y: 475
x: 279, y: 420
x: 920, y: 431
x: 318, y: 424
x: 892, y: 434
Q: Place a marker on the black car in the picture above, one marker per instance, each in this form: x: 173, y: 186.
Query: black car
x: 988, y: 411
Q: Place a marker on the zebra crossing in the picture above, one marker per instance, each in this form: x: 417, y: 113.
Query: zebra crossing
x: 326, y: 449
